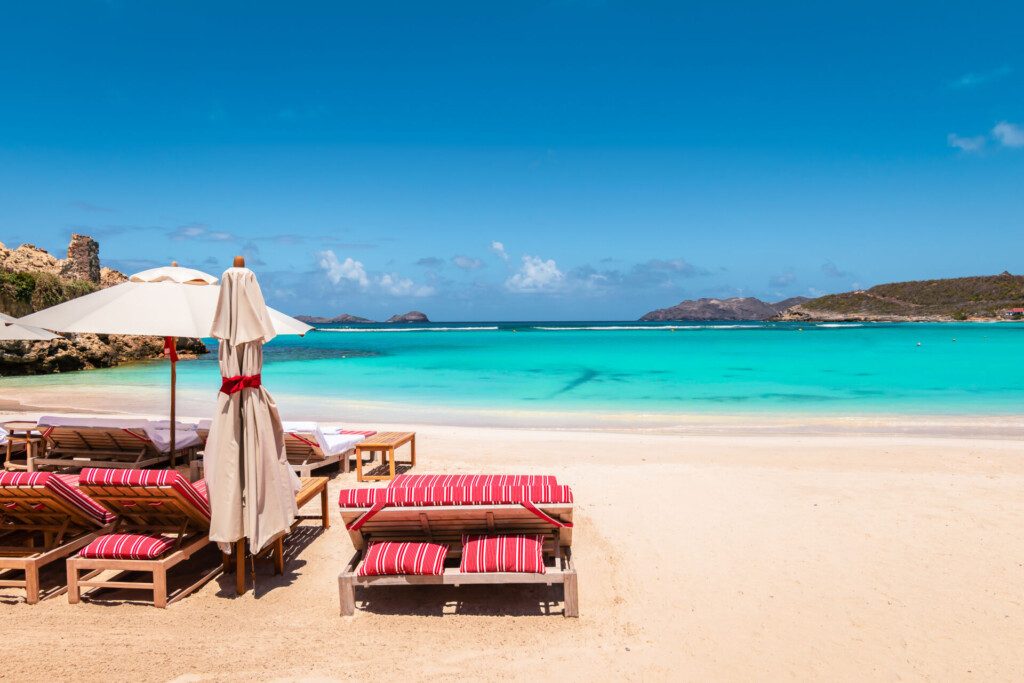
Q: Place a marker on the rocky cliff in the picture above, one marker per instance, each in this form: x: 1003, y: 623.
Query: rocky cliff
x: 735, y: 308
x: 31, y: 279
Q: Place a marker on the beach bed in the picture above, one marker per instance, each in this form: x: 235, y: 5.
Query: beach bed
x: 78, y: 442
x: 43, y: 519
x: 406, y: 513
x: 163, y: 520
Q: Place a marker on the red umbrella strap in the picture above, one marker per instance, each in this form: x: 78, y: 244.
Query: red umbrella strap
x: 232, y: 385
x: 171, y: 349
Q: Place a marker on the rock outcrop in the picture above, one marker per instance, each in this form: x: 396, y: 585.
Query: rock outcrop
x: 410, y: 317
x: 83, y: 261
x: 31, y: 278
x: 342, y: 318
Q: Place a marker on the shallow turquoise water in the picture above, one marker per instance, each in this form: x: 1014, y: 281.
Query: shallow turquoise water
x: 726, y: 368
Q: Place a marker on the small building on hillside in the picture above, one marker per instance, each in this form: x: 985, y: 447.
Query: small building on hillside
x: 1013, y: 313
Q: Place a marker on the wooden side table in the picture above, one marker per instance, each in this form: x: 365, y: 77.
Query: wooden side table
x: 27, y: 434
x: 386, y: 443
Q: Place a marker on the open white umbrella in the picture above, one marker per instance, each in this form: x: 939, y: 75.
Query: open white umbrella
x: 166, y: 302
x: 12, y: 329
x: 248, y: 479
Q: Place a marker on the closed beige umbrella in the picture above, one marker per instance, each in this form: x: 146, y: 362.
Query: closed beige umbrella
x: 250, y: 484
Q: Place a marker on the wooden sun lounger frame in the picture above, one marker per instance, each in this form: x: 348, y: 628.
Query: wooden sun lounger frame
x: 446, y: 524
x: 178, y: 515
x: 60, y: 538
x: 110, y: 447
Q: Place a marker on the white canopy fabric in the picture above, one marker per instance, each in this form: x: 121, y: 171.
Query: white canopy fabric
x: 249, y: 482
x: 163, y: 302
x: 12, y: 329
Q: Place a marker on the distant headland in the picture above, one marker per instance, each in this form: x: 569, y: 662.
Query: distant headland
x: 981, y: 298
x: 410, y: 317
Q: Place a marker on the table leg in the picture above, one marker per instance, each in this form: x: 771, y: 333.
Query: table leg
x: 412, y: 444
x: 324, y: 510
x: 359, y: 465
x: 391, y: 460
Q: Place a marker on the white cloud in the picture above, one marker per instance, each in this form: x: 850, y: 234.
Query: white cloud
x: 348, y: 269
x: 499, y: 249
x: 467, y: 262
x: 396, y: 285
x: 971, y: 144
x: 972, y: 80
x: 1008, y: 134
x: 536, y: 275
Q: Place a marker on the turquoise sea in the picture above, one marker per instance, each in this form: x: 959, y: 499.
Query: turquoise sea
x: 731, y: 368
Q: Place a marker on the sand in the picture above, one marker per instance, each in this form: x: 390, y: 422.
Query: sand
x: 732, y: 557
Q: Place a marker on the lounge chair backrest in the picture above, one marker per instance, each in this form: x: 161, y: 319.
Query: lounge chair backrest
x: 99, y: 439
x: 45, y: 499
x: 444, y: 514
x: 299, y: 446
x: 150, y: 499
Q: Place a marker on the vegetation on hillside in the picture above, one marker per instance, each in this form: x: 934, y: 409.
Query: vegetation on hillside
x: 24, y: 293
x: 957, y: 298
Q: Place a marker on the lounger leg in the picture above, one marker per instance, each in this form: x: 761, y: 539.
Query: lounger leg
x: 279, y: 555
x: 73, y: 592
x: 31, y: 583
x: 347, y: 594
x: 160, y: 587
x: 325, y: 512
x: 572, y: 602
x: 240, y: 567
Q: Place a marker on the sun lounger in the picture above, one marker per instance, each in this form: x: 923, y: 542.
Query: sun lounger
x: 442, y: 515
x: 112, y: 442
x: 43, y: 519
x: 163, y: 520
x: 310, y: 446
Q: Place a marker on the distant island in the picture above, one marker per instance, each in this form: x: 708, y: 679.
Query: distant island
x: 343, y: 318
x: 981, y: 298
x: 410, y: 317
x: 735, y: 308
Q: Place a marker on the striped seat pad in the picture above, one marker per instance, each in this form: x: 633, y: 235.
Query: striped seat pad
x: 435, y: 480
x: 127, y: 547
x: 389, y: 558
x: 521, y: 553
x: 148, y: 479
x: 57, y: 486
x: 453, y: 495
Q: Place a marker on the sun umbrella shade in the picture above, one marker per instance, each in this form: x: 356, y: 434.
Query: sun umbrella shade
x: 161, y: 302
x: 12, y: 329
x: 250, y: 484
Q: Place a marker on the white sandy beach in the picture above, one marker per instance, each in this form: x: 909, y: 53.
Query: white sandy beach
x: 749, y: 556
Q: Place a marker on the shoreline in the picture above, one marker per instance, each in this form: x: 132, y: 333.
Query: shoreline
x: 153, y: 400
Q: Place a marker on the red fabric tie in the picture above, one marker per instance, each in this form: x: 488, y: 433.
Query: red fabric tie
x: 232, y: 385
x: 171, y: 349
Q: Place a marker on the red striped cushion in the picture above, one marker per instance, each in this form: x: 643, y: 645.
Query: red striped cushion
x: 454, y: 495
x: 389, y: 558
x: 519, y: 553
x: 59, y: 487
x: 442, y: 480
x: 171, y: 478
x: 127, y: 547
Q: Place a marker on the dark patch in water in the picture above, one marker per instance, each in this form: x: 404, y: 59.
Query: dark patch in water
x: 586, y: 376
x: 742, y: 369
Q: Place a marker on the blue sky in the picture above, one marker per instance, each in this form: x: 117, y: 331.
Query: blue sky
x: 528, y: 160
